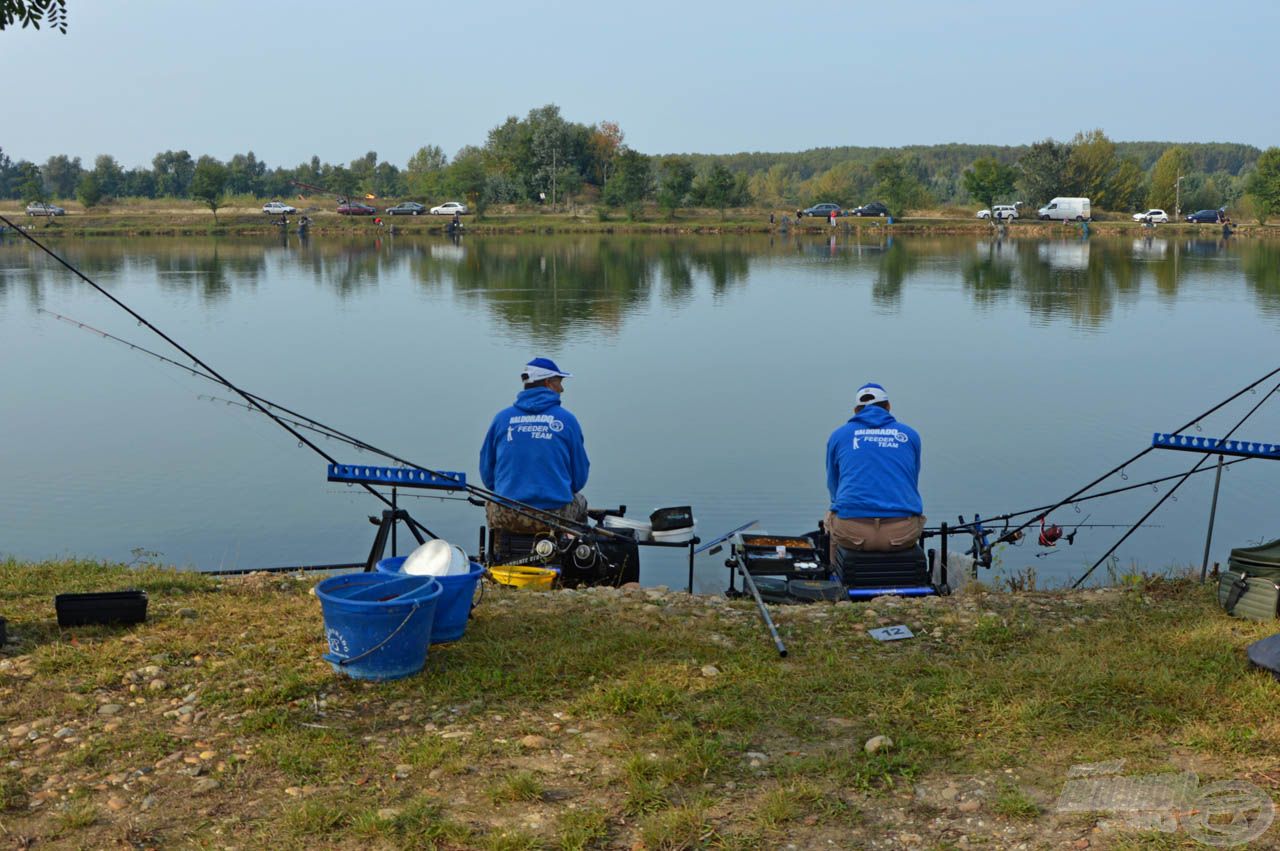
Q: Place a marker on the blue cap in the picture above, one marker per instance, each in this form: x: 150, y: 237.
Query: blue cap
x: 540, y: 369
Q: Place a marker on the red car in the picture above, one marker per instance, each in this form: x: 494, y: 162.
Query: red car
x: 353, y: 208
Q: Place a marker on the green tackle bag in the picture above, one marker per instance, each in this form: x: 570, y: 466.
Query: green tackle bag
x: 1244, y: 596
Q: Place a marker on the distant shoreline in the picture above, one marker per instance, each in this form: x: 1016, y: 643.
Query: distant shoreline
x: 181, y: 218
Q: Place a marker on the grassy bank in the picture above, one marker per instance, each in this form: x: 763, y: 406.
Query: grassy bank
x: 611, y: 719
x: 184, y: 218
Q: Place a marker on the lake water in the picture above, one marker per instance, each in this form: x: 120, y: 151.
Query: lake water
x: 709, y: 371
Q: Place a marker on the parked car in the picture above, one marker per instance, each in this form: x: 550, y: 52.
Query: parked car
x: 875, y: 208
x: 39, y: 209
x: 1153, y: 216
x: 354, y: 208
x: 407, y: 208
x: 1211, y: 217
x: 448, y: 208
x: 822, y: 211
x: 278, y: 208
x: 1000, y: 211
x: 1066, y: 209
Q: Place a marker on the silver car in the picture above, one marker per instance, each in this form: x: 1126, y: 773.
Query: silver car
x: 41, y: 209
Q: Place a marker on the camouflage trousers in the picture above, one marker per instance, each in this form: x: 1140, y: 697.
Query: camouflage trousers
x: 510, y: 520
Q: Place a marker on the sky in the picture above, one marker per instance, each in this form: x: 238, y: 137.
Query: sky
x: 290, y: 79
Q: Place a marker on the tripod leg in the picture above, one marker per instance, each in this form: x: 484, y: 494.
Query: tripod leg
x: 380, y: 540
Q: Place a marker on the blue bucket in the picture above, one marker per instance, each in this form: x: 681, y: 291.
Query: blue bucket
x: 455, y: 604
x: 378, y: 626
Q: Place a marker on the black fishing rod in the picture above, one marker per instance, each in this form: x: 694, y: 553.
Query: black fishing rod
x: 1195, y: 468
x: 1119, y: 467
x: 542, y: 515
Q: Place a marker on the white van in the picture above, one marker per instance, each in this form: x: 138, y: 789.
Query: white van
x: 1066, y: 209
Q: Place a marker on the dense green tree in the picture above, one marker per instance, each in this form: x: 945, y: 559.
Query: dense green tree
x: 775, y: 187
x: 603, y: 143
x: 632, y: 179
x: 209, y: 184
x: 424, y: 174
x: 898, y: 184
x: 1264, y: 185
x: 8, y: 176
x: 30, y: 183
x: 1043, y: 171
x: 90, y: 190
x: 1128, y: 185
x: 245, y: 173
x: 467, y: 177
x: 61, y: 175
x: 1173, y: 164
x: 989, y: 179
x: 173, y: 173
x: 138, y: 183
x: 675, y: 179
x: 31, y: 13
x: 109, y: 175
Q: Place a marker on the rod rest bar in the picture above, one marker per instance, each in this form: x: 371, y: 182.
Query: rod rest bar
x: 400, y: 477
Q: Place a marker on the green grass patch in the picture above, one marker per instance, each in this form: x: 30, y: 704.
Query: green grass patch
x: 582, y: 829
x: 519, y: 786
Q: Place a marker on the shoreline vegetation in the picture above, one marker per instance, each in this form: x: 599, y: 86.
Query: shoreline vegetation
x: 181, y: 218
x: 614, y: 719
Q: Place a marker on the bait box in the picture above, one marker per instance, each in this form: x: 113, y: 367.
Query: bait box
x: 102, y: 607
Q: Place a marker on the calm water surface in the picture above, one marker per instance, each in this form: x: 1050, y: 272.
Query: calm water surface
x: 709, y: 371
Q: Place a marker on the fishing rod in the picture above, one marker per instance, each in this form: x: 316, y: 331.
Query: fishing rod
x: 546, y: 517
x: 1121, y: 466
x: 1045, y: 509
x: 1198, y: 466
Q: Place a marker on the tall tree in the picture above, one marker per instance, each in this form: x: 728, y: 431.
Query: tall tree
x: 675, y: 179
x: 1043, y: 171
x: 604, y: 143
x: 898, y: 184
x: 989, y: 179
x: 61, y: 175
x: 209, y: 183
x: 1173, y: 164
x: 467, y: 177
x: 632, y: 179
x: 173, y: 173
x: 90, y: 190
x: 718, y: 188
x: 424, y: 174
x: 1264, y: 185
x: 109, y: 175
x: 31, y: 183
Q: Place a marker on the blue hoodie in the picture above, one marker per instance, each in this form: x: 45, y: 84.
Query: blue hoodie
x: 873, y: 467
x: 534, y: 452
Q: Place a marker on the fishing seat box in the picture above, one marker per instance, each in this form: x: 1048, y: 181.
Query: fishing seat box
x: 1243, y: 596
x: 903, y: 569
x: 104, y: 607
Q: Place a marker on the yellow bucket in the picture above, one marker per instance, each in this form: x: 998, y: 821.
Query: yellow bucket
x: 523, y: 576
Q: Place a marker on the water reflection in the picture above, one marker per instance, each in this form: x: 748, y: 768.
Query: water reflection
x: 546, y: 287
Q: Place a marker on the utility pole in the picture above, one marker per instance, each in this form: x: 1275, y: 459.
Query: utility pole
x: 1177, y: 196
x: 554, y: 151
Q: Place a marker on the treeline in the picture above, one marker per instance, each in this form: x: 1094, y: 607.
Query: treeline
x: 545, y: 158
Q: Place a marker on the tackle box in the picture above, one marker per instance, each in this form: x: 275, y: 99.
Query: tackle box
x: 101, y: 607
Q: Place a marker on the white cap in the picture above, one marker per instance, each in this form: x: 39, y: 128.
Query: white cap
x: 870, y: 394
x: 540, y: 369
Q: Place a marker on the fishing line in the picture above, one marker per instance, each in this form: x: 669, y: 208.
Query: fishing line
x: 547, y: 517
x: 1198, y: 465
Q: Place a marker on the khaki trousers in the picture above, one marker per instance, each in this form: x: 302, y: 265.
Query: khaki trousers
x: 873, y: 534
x: 504, y: 518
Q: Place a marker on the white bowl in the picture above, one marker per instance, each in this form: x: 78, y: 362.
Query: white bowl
x: 675, y: 536
x: 436, y: 558
x: 642, y: 528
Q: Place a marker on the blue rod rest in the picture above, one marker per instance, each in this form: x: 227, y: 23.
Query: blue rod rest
x: 1216, y: 446
x: 400, y: 477
x: 907, y: 591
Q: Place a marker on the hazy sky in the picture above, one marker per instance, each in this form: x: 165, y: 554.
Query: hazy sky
x: 291, y: 79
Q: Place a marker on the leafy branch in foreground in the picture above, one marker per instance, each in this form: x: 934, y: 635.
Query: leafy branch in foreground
x: 30, y: 13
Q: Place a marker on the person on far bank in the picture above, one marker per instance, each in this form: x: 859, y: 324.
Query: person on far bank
x: 534, y: 454
x: 873, y: 475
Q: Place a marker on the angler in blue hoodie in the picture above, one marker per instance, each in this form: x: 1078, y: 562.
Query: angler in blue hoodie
x: 873, y: 475
x: 534, y: 453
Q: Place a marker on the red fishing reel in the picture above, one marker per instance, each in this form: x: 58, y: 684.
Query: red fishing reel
x: 1049, y: 535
